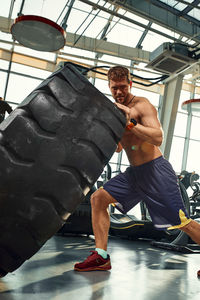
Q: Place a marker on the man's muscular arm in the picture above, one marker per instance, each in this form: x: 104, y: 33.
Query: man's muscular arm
x: 151, y: 135
x: 150, y: 129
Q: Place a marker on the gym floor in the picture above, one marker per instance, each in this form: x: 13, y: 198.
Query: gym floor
x: 139, y: 272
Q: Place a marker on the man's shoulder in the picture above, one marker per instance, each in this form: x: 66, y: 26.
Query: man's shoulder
x: 141, y: 101
x: 143, y: 105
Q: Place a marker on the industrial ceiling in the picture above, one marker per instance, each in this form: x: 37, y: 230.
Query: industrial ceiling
x: 127, y: 29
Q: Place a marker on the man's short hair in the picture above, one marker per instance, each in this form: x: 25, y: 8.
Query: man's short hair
x: 119, y: 73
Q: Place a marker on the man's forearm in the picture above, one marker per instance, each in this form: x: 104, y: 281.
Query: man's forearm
x: 151, y: 135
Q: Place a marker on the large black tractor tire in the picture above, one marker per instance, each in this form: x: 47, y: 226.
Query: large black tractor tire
x: 53, y: 148
x: 80, y: 222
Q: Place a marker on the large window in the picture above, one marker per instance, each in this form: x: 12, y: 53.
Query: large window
x: 195, y: 132
x: 186, y: 140
x: 22, y: 80
x: 193, y: 162
x: 178, y: 142
x: 176, y: 153
x: 20, y: 87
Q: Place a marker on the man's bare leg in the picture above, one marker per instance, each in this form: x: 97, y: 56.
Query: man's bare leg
x: 193, y: 230
x: 100, y: 201
x: 99, y: 259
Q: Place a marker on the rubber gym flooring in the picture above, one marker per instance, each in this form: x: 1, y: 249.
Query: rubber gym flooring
x: 139, y: 272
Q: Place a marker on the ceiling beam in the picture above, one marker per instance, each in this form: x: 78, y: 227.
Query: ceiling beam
x: 5, y: 24
x: 27, y: 60
x: 84, y: 43
x: 128, y: 19
x: 175, y: 11
x: 50, y: 66
x: 139, y: 44
x: 95, y: 45
x: 104, y: 47
x: 189, y: 8
x: 168, y: 18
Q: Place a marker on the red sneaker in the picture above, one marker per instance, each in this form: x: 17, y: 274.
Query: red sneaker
x: 94, y: 262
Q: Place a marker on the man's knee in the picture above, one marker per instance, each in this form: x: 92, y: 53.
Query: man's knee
x: 190, y: 227
x: 99, y: 199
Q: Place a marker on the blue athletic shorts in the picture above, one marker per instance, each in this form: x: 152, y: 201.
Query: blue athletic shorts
x: 156, y: 184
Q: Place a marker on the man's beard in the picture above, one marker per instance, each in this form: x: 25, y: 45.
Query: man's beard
x: 123, y: 100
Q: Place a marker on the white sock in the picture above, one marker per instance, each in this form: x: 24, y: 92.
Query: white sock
x: 102, y: 252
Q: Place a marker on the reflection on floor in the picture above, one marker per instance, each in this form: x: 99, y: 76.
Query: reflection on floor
x: 139, y: 272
